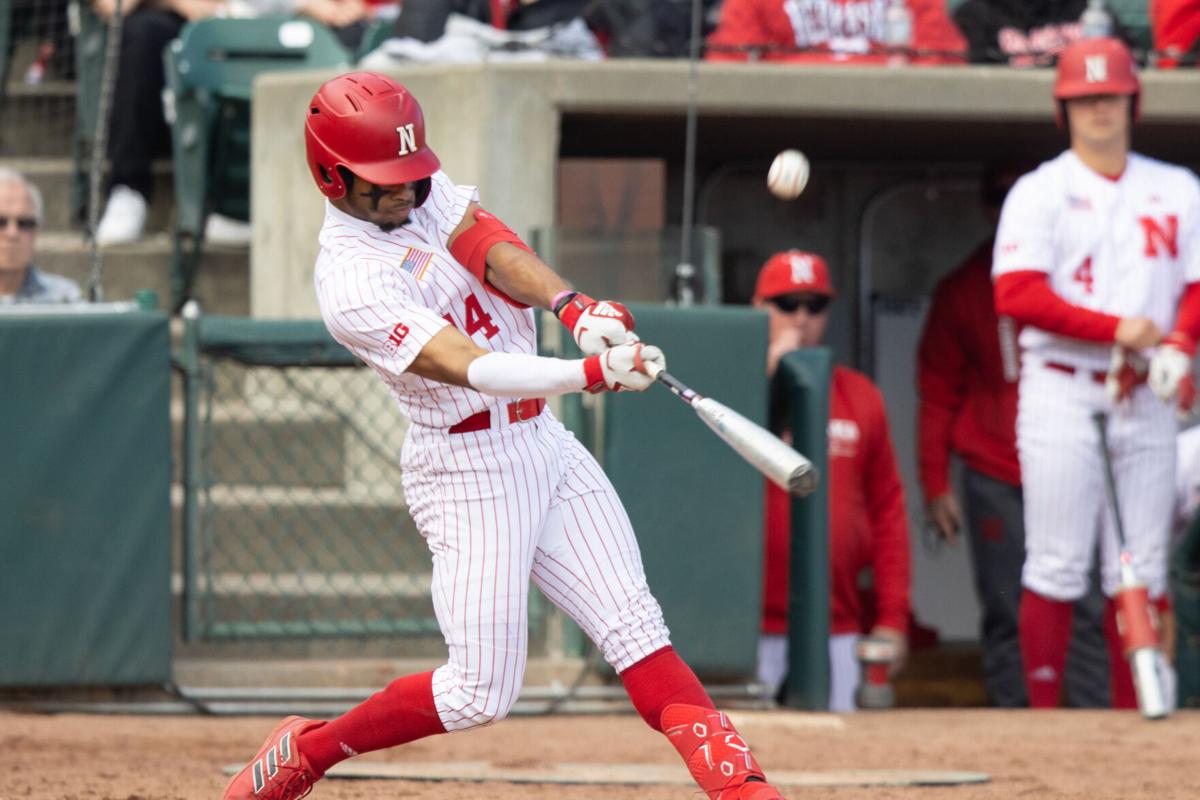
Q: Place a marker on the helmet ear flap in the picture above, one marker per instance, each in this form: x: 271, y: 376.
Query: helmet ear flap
x: 423, y: 187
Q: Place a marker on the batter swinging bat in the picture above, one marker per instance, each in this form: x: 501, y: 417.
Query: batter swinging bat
x: 1139, y: 633
x: 764, y: 451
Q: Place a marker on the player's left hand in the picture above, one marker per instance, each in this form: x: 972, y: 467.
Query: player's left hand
x: 1170, y: 375
x: 597, y: 325
x: 1126, y: 370
x: 897, y: 638
x: 625, y: 368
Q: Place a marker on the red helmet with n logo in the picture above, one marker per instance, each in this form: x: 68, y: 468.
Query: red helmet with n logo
x: 1097, y: 66
x: 372, y: 126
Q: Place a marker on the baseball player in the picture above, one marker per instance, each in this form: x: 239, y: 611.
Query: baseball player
x: 967, y: 370
x: 1096, y: 248
x: 868, y: 527
x: 437, y: 296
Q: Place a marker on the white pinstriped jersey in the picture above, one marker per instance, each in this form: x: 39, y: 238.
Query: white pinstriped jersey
x: 1124, y: 247
x: 385, y: 295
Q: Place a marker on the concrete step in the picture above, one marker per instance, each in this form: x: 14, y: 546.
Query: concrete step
x: 38, y: 120
x: 222, y: 282
x: 248, y: 447
x: 287, y: 529
x: 55, y: 178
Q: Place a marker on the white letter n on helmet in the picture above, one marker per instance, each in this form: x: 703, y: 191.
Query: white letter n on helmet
x: 1096, y: 68
x: 408, y: 139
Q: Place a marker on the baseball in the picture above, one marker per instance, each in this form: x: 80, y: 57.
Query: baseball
x: 788, y: 175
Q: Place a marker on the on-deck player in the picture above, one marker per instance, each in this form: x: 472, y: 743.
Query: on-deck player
x: 435, y: 294
x: 1096, y: 248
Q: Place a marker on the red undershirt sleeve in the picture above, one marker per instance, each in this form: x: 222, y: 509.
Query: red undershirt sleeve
x: 1026, y: 296
x: 1187, y: 322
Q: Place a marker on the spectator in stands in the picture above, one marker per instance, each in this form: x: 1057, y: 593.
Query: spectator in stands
x: 967, y: 370
x: 20, y: 218
x: 868, y: 526
x: 1176, y: 27
x: 839, y: 31
x: 138, y: 130
x: 1025, y: 34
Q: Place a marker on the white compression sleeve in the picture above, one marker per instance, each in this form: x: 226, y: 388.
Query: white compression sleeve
x: 521, y: 375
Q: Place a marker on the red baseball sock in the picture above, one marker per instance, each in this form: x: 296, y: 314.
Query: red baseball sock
x: 1044, y: 628
x: 400, y: 713
x: 660, y: 679
x: 1120, y: 677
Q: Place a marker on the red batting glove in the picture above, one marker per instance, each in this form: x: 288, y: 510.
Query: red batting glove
x: 596, y: 325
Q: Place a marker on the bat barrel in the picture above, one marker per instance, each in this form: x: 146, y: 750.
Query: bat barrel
x: 803, y: 481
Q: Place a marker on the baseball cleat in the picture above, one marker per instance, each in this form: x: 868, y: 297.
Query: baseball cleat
x: 279, y: 771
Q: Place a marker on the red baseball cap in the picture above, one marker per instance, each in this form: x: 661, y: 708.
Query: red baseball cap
x: 791, y: 272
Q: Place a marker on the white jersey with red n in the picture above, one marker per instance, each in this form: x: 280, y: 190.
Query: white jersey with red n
x: 1114, y: 246
x: 501, y: 504
x: 385, y: 295
x: 1125, y: 247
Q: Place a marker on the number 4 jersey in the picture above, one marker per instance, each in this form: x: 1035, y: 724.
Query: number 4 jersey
x: 385, y: 295
x: 1123, y: 246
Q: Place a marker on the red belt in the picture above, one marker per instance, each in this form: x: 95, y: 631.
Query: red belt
x: 1097, y: 376
x: 518, y: 411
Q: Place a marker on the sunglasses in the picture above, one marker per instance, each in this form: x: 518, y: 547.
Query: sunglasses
x: 23, y: 223
x: 788, y: 303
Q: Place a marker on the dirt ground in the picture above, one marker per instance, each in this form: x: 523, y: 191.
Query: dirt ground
x: 1097, y: 755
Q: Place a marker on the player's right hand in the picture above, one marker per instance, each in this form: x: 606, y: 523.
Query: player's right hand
x: 1137, y: 333
x: 946, y: 516
x: 625, y: 368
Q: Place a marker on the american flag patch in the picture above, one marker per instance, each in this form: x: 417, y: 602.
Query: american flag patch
x: 416, y: 262
x: 1079, y: 203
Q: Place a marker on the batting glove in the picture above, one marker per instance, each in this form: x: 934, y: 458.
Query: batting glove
x: 625, y: 368
x: 596, y: 325
x: 1126, y: 371
x: 1171, y: 372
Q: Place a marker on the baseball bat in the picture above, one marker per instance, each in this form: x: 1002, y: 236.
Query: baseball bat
x: 1139, y: 636
x: 766, y: 452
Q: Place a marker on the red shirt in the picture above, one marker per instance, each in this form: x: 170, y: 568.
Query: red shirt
x: 868, y: 526
x: 846, y: 31
x: 967, y: 370
x: 1176, y: 24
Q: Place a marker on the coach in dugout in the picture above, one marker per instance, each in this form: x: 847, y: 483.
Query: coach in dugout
x: 20, y: 218
x: 868, y: 526
x: 967, y: 370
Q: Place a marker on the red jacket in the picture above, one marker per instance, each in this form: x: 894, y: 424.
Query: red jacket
x: 967, y: 370
x: 1176, y: 25
x: 849, y: 31
x: 868, y: 526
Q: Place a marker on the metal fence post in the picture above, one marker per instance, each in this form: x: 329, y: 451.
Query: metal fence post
x: 188, y: 362
x: 804, y: 378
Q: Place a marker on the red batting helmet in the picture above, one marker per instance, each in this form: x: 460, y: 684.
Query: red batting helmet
x: 1097, y: 66
x: 372, y: 126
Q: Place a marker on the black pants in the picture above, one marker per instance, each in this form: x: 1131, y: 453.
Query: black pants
x: 138, y: 132
x: 996, y: 530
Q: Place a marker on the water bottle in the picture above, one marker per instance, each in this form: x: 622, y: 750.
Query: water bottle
x: 684, y: 288
x: 1095, y: 20
x: 897, y: 32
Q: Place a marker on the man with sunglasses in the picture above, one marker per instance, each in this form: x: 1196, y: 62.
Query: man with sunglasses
x: 20, y: 218
x: 868, y: 526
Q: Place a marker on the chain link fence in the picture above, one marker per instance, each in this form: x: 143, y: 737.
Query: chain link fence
x: 294, y: 521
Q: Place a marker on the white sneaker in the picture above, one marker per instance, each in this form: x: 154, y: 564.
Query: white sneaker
x: 226, y: 230
x: 124, y: 217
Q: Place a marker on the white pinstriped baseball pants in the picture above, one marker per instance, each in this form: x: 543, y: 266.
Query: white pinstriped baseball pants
x: 1066, y: 503
x: 501, y: 506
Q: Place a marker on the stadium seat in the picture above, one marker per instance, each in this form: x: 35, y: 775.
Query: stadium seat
x: 210, y: 73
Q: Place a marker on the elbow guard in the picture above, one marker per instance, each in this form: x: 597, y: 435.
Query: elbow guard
x: 472, y: 245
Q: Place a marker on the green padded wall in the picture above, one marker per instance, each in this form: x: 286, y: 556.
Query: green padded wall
x: 696, y: 506
x: 85, y: 533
